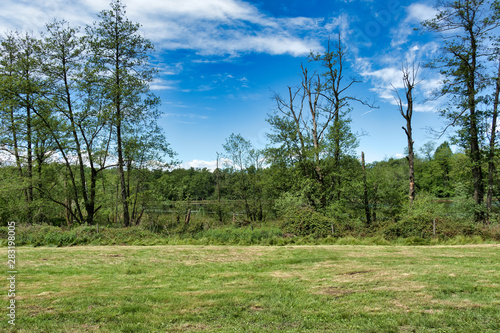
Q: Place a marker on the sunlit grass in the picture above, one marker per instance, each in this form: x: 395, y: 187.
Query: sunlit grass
x: 257, y: 289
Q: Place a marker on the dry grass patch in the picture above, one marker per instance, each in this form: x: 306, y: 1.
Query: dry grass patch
x: 335, y: 291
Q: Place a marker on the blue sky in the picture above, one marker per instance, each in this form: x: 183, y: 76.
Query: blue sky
x: 221, y: 61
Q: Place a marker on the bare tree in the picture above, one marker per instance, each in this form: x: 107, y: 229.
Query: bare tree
x: 409, y: 76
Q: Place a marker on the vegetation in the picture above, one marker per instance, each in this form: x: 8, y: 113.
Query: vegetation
x: 263, y: 289
x: 78, y: 124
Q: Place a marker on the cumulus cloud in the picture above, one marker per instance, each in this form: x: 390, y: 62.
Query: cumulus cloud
x: 419, y: 12
x: 415, y: 13
x: 387, y: 78
x: 200, y: 164
x: 209, y: 27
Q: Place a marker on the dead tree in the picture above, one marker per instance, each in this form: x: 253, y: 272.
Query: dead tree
x: 409, y: 82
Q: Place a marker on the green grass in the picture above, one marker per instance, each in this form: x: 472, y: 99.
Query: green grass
x: 256, y: 289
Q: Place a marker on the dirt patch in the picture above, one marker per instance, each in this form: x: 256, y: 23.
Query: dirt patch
x: 356, y: 272
x: 256, y: 308
x: 112, y: 255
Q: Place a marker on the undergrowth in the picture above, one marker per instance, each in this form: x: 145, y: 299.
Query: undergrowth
x: 45, y: 235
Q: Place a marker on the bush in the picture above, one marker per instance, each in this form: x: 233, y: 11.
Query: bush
x: 304, y: 221
x: 416, y: 220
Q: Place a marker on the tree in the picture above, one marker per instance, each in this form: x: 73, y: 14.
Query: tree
x: 366, y: 202
x: 492, y: 145
x: 237, y: 151
x: 21, y: 92
x: 120, y: 56
x: 465, y: 26
x: 340, y: 139
x: 441, y: 173
x: 63, y: 67
x: 311, y: 127
x: 409, y: 78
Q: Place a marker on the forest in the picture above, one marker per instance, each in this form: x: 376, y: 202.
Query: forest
x: 80, y: 143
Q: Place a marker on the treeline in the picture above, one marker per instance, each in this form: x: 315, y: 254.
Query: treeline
x: 79, y: 130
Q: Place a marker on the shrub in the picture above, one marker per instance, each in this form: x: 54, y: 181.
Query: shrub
x: 305, y: 221
x: 416, y: 220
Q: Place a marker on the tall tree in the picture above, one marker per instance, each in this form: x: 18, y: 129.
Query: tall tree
x: 406, y: 109
x: 492, y: 145
x: 10, y: 118
x: 11, y: 137
x: 237, y: 151
x: 78, y: 129
x: 121, y: 56
x: 336, y: 90
x: 311, y: 124
x: 465, y: 26
x: 23, y: 88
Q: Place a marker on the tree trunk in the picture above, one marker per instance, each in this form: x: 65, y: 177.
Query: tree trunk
x: 374, y: 209
x: 67, y: 203
x: 336, y: 151
x: 411, y: 165
x: 491, y: 153
x: 409, y: 77
x: 365, y: 191
x: 477, y: 173
x: 121, y: 172
x: 29, y: 163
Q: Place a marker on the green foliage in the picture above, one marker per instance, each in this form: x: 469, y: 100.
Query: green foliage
x: 416, y: 220
x: 305, y: 221
x: 308, y: 177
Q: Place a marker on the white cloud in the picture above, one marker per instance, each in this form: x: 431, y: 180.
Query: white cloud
x: 428, y: 106
x: 161, y: 84
x: 389, y: 77
x: 209, y: 27
x: 383, y: 80
x: 419, y: 12
x: 415, y: 13
x: 200, y: 164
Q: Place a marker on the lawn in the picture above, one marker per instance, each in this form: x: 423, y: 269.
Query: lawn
x: 256, y: 289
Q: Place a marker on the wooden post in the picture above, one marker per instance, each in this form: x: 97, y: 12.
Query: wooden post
x: 434, y: 227
x: 188, y: 216
x: 218, y: 190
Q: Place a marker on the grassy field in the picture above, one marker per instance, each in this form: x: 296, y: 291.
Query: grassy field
x: 256, y: 289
